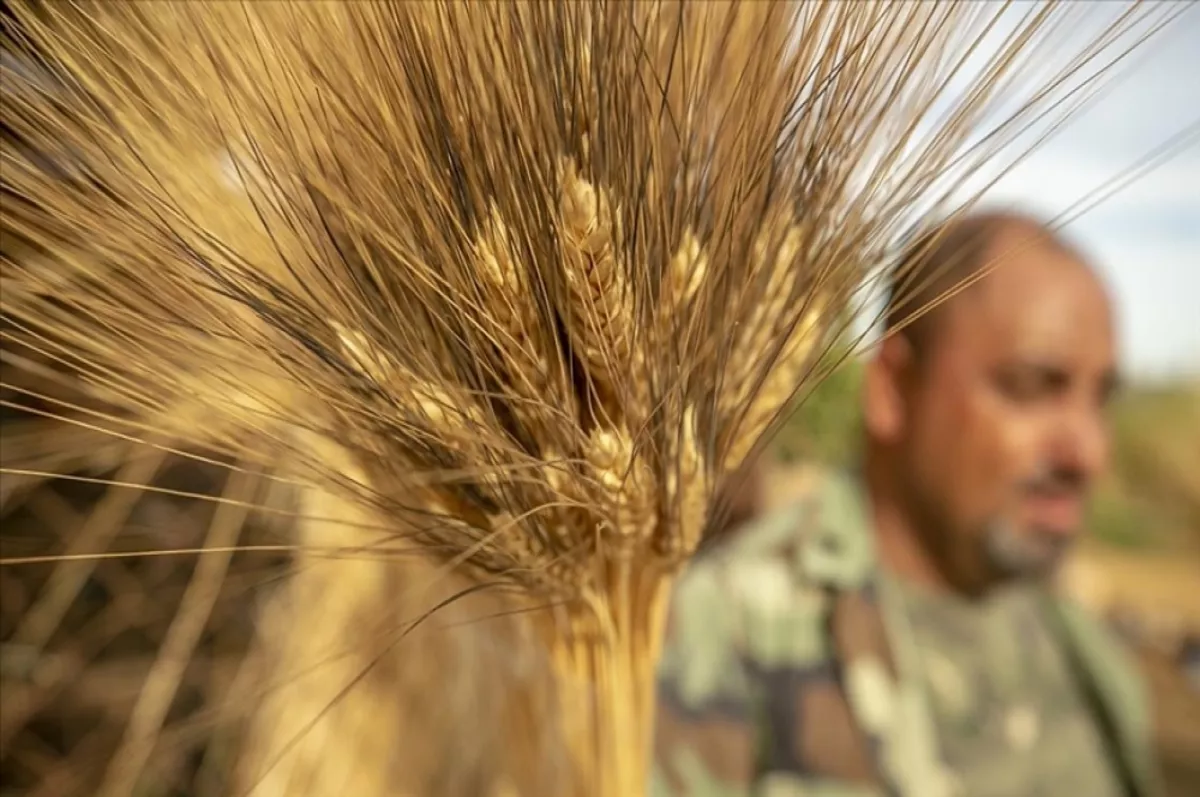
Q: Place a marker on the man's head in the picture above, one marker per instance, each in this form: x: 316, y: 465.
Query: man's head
x: 985, y: 416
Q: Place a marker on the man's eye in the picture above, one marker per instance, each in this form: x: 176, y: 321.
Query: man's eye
x: 1031, y: 384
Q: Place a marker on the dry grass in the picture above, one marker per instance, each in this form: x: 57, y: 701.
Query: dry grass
x: 447, y: 294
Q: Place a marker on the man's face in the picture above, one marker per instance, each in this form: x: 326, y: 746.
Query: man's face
x: 1005, y: 426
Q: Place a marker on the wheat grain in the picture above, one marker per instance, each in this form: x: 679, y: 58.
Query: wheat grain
x: 627, y: 481
x: 601, y: 314
x: 533, y: 378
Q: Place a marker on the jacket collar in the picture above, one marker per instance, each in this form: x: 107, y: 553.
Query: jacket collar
x: 1118, y: 693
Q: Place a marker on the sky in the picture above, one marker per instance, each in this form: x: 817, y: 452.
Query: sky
x: 1145, y: 238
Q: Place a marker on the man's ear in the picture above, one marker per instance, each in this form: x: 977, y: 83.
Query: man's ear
x: 884, y: 395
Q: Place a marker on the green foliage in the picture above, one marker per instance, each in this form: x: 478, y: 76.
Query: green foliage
x: 824, y: 424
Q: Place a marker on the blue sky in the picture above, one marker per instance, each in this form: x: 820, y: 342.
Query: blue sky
x: 1145, y: 239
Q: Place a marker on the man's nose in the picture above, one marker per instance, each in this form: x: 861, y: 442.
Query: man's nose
x: 1084, y: 445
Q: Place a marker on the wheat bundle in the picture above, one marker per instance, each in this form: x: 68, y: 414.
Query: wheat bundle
x: 499, y: 297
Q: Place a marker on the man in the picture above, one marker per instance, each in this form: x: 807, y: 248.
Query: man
x: 892, y: 632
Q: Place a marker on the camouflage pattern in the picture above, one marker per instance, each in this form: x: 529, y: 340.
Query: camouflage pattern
x: 793, y: 667
x: 1010, y: 717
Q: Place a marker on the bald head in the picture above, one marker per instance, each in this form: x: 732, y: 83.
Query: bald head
x: 950, y: 258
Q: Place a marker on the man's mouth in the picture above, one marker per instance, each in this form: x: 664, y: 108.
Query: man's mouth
x: 1058, y: 511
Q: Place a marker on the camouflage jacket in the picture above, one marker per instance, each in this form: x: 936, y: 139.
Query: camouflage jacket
x: 785, y: 672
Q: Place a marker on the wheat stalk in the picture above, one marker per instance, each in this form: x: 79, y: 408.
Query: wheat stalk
x: 505, y: 294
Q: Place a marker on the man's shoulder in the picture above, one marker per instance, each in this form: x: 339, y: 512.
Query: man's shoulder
x: 816, y: 536
x: 764, y: 591
x: 746, y: 635
x: 757, y: 563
